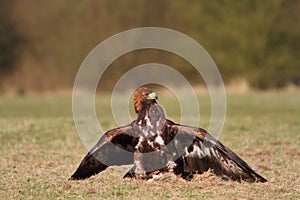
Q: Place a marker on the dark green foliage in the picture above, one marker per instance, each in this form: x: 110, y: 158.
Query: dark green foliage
x: 258, y: 41
x: 10, y: 39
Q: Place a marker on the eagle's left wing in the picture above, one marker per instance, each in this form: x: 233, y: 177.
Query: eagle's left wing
x: 201, y: 152
x: 115, y: 147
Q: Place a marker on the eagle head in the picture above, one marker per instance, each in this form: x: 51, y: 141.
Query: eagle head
x: 142, y: 97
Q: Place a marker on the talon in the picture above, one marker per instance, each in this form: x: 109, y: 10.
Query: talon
x: 152, y: 174
x: 141, y: 176
x: 171, y: 165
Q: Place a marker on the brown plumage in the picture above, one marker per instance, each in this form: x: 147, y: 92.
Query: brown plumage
x: 155, y: 145
x: 138, y: 97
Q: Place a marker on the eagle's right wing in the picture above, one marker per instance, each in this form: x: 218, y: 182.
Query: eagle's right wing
x: 115, y: 147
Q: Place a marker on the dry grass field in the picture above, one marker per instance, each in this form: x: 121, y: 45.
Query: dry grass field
x: 40, y: 149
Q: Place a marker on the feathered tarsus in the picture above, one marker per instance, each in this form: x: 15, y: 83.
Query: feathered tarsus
x: 180, y: 149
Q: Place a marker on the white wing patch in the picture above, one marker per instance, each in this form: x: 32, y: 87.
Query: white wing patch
x: 150, y: 143
x: 159, y: 140
x: 141, y: 139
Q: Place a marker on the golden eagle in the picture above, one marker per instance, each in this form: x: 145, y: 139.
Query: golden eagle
x: 154, y: 144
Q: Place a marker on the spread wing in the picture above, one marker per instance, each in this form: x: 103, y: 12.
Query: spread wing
x: 115, y: 147
x: 201, y: 152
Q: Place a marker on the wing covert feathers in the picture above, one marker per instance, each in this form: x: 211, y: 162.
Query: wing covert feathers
x: 115, y: 147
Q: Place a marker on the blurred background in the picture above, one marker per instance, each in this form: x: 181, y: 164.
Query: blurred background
x: 42, y: 43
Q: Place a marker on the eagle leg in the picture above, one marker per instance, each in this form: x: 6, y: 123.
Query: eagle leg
x: 171, y: 165
x: 139, y: 171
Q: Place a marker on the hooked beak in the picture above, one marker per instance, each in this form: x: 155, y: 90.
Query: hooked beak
x: 152, y: 96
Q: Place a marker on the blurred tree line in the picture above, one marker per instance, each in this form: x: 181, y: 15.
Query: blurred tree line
x: 43, y: 43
